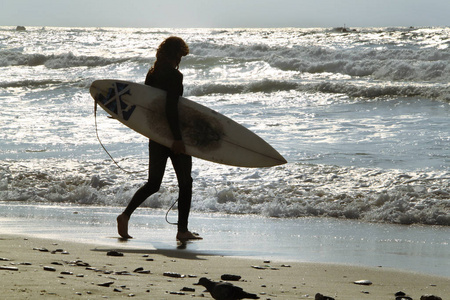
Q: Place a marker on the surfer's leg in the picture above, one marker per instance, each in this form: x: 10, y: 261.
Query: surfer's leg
x: 183, y: 166
x: 157, y: 166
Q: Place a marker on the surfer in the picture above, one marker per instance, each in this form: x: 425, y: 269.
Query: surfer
x: 165, y: 75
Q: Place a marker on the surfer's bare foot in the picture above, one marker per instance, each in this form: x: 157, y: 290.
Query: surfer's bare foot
x: 122, y: 226
x: 186, y: 236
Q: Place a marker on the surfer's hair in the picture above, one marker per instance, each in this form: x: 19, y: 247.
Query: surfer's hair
x: 172, y: 48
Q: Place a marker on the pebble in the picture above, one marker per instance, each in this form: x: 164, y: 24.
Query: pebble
x: 106, y: 284
x: 322, y: 297
x: 114, y: 253
x: 177, y: 293
x: 430, y: 297
x: 66, y: 273
x: 230, y: 277
x: 173, y: 274
x: 363, y: 282
x: 258, y: 268
x: 4, y: 259
x: 51, y: 269
x: 9, y: 268
x: 80, y: 263
x: 122, y: 273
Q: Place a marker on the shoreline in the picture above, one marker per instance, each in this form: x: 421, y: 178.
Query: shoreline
x: 29, y: 272
x: 323, y: 240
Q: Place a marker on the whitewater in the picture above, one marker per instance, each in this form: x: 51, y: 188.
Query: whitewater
x: 362, y: 118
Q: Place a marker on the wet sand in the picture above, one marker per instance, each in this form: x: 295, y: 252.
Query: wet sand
x: 33, y: 268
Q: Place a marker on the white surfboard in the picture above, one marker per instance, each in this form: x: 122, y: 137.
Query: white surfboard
x: 206, y: 133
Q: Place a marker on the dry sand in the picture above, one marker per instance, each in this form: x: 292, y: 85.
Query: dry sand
x: 24, y: 276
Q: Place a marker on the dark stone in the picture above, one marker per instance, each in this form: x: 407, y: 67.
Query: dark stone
x: 173, y: 274
x: 106, y: 284
x: 319, y: 296
x: 122, y: 273
x: 66, y: 273
x: 229, y: 277
x: 430, y: 297
x: 114, y: 253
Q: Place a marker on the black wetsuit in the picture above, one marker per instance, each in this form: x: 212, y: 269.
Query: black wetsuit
x: 171, y: 80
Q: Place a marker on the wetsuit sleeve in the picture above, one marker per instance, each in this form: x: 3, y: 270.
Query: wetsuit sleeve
x: 174, y: 91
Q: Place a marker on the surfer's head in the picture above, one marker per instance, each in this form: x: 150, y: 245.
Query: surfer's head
x: 172, y: 49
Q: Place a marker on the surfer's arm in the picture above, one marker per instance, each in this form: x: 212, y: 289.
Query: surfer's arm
x: 174, y: 92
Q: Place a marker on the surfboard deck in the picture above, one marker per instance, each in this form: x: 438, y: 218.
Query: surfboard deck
x: 206, y: 133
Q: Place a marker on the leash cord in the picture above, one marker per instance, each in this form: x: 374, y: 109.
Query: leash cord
x: 126, y: 171
x: 104, y: 148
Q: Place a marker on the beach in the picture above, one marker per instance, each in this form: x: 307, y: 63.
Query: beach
x: 361, y: 118
x: 56, y: 269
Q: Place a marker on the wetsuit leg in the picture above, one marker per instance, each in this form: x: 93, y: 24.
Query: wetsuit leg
x: 182, y: 165
x: 157, y: 165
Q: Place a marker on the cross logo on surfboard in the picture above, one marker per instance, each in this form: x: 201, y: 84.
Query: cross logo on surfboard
x: 113, y: 100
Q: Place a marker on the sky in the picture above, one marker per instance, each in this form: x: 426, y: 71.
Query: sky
x: 225, y: 13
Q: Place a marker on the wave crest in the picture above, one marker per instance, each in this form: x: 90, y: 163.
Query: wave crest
x: 54, y: 61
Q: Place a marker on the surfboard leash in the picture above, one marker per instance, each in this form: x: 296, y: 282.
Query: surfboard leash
x: 117, y: 164
x: 104, y: 148
x: 167, y: 213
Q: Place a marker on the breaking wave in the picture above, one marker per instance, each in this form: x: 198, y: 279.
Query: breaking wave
x: 351, y: 89
x: 54, y: 61
x: 398, y: 64
x: 291, y: 191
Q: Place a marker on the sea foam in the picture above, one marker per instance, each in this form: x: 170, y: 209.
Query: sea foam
x: 291, y: 191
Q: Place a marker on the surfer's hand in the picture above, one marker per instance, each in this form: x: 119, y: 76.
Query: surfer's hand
x: 178, y: 147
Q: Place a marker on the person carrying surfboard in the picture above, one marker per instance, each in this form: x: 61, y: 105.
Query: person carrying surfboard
x: 165, y: 75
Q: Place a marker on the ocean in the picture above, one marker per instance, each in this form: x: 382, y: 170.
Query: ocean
x: 362, y: 118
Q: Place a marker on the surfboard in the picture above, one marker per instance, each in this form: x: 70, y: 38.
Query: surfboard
x: 206, y: 133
